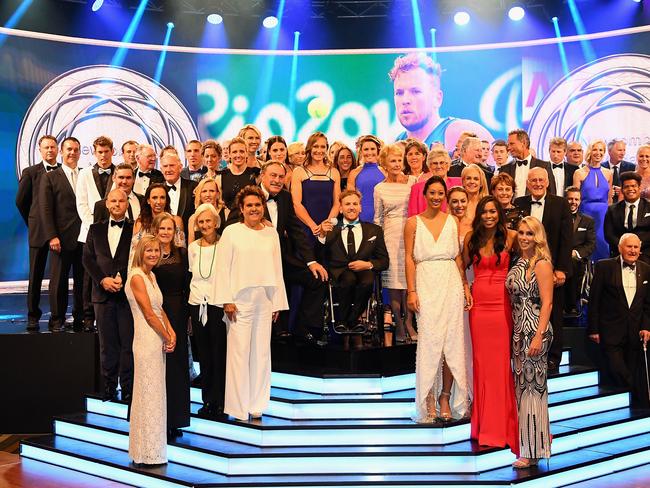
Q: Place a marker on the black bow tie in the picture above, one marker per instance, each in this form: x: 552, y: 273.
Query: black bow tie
x: 51, y: 168
x: 535, y: 202
x: 628, y: 265
x: 272, y: 198
x: 558, y: 166
x: 106, y: 171
x: 171, y: 187
x: 119, y: 224
x: 144, y: 175
x: 522, y: 162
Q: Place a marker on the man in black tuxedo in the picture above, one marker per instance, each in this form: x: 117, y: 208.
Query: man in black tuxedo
x: 632, y: 214
x: 195, y: 169
x: 562, y: 170
x: 61, y: 223
x: 145, y: 171
x: 519, y: 148
x: 181, y: 190
x: 584, y: 243
x: 106, y: 259
x: 355, y: 251
x: 619, y: 315
x: 123, y: 179
x: 27, y: 202
x: 616, y: 150
x: 554, y: 214
x: 299, y: 265
x: 471, y: 152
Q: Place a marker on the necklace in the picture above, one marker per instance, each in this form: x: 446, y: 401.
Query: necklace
x: 214, y: 251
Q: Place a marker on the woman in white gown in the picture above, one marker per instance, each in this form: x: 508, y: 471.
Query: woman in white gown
x: 153, y: 336
x: 437, y: 291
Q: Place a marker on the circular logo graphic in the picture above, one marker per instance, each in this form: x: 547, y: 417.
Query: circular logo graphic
x: 99, y: 100
x: 606, y: 99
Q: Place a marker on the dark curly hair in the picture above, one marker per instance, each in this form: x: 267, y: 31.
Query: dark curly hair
x: 247, y: 191
x: 479, y: 236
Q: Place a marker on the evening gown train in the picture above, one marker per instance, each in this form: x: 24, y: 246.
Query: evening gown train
x: 441, y: 329
x: 494, y: 411
x: 148, y: 421
x: 595, y: 194
x: 531, y: 388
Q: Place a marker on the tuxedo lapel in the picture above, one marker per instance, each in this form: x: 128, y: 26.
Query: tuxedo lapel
x: 576, y: 223
x: 639, y: 284
x: 98, y: 182
x: 617, y: 275
x: 182, y: 197
x: 125, y: 240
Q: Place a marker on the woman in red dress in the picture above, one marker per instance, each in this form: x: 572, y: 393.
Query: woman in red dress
x: 487, y: 248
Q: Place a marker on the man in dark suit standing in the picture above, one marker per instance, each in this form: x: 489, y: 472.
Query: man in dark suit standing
x: 106, y: 259
x: 562, y: 170
x: 632, y: 214
x: 145, y: 171
x: 27, y: 202
x: 616, y: 150
x: 123, y: 179
x: 61, y: 225
x: 181, y: 190
x: 519, y: 148
x: 619, y: 315
x: 356, y: 251
x: 553, y: 212
x: 584, y: 243
x: 470, y: 153
x: 299, y: 265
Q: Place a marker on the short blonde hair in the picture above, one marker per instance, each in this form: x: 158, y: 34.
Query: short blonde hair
x: 413, y: 61
x: 138, y: 255
x: 387, y: 151
x: 199, y: 188
x: 539, y: 238
x: 483, y: 190
x: 591, y: 146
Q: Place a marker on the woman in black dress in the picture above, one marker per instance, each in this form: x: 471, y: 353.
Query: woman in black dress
x: 173, y: 279
x: 237, y: 175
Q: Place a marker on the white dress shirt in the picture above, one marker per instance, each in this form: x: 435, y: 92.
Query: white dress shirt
x: 558, y: 174
x: 537, y: 211
x: 272, y: 207
x: 141, y: 183
x: 134, y: 204
x: 114, y: 235
x: 356, y: 230
x: 521, y: 176
x: 174, y: 196
x: 629, y: 282
x: 72, y: 175
x: 635, y: 213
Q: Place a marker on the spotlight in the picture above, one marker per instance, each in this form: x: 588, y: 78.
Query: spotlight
x: 170, y: 25
x: 215, y: 19
x: 636, y: 1
x: 461, y: 18
x: 516, y: 13
x: 270, y: 22
x: 554, y: 19
x: 97, y: 4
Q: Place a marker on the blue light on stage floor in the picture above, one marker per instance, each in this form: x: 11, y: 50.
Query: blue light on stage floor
x: 560, y: 46
x: 97, y: 4
x: 270, y: 22
x: 120, y: 54
x: 461, y: 18
x: 112, y: 409
x: 586, y: 407
x: 215, y: 19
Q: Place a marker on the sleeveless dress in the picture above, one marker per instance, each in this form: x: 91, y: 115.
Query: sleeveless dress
x: 369, y: 176
x: 494, y: 411
x: 391, y: 202
x: 594, y: 191
x: 317, y: 197
x: 530, y: 372
x: 148, y: 421
x: 231, y: 184
x: 441, y: 329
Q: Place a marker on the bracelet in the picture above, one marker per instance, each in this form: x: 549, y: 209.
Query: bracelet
x: 411, y: 291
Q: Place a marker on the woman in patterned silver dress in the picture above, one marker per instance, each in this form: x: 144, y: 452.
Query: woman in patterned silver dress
x: 530, y: 284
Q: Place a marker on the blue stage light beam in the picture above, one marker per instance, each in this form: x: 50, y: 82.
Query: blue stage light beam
x: 434, y: 55
x: 417, y: 24
x: 97, y: 4
x: 294, y: 72
x: 587, y: 49
x: 15, y: 18
x: 560, y: 46
x: 163, y: 54
x: 120, y: 54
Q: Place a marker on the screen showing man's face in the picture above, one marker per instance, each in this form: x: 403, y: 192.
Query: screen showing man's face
x: 416, y: 97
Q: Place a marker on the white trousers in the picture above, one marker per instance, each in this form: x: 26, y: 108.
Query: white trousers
x: 248, y: 360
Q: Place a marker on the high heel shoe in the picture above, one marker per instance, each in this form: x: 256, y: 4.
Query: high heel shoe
x: 525, y: 463
x: 445, y: 416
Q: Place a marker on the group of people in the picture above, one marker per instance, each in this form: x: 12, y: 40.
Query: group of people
x: 479, y: 266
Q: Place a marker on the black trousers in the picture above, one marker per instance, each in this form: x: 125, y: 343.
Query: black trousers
x: 573, y: 284
x: 354, y: 290
x: 624, y: 363
x: 557, y: 321
x: 86, y: 295
x: 115, y: 327
x: 310, y: 308
x: 60, y: 264
x: 37, y: 262
x: 211, y: 343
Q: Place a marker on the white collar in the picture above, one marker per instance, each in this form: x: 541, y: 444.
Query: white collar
x: 635, y: 203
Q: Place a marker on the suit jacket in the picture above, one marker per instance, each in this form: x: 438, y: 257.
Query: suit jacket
x: 569, y: 170
x: 609, y: 314
x: 584, y: 235
x: 101, y: 212
x: 623, y: 166
x: 99, y: 263
x: 155, y: 176
x: 58, y: 209
x: 88, y: 193
x: 456, y: 169
x: 186, y: 199
x: 294, y: 246
x: 558, y: 225
x: 614, y: 226
x: 372, y: 248
x: 510, y: 169
x: 27, y: 202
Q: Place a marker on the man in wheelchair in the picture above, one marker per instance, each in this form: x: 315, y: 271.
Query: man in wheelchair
x: 355, y: 251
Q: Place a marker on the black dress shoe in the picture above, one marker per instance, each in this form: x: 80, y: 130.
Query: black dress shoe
x: 89, y: 326
x: 56, y: 326
x: 77, y: 326
x: 110, y: 394
x: 208, y: 410
x: 174, y: 433
x: 33, y: 326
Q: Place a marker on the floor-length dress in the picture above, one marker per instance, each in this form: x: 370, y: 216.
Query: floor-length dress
x: 441, y: 330
x: 595, y: 193
x: 172, y: 277
x: 530, y: 373
x: 391, y: 201
x: 494, y: 410
x: 148, y: 421
x: 366, y: 180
